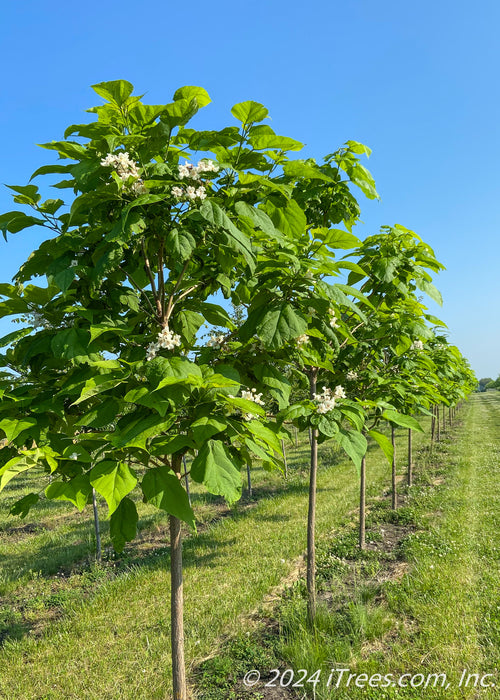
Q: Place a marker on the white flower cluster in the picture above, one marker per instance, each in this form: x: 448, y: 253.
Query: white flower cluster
x: 193, y: 171
x: 417, y: 345
x: 351, y: 375
x: 302, y: 339
x: 216, y: 341
x: 125, y: 168
x: 326, y: 400
x: 166, y: 339
x: 333, y: 318
x: 251, y: 395
x: 190, y: 192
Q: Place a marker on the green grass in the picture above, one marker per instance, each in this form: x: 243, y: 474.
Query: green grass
x: 104, y: 633
x: 443, y: 614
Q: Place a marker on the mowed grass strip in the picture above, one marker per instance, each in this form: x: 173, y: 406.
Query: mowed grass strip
x: 117, y: 644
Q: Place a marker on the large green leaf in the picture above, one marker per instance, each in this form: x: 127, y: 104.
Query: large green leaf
x: 13, y: 467
x: 70, y: 344
x: 384, y: 443
x: 212, y: 213
x: 193, y: 92
x: 276, y: 383
x: 138, y: 430
x: 215, y: 468
x: 116, y: 91
x: 113, y: 480
x: 275, y: 324
x: 162, y: 487
x: 353, y: 443
x: 400, y: 419
x: 204, y: 428
x: 12, y: 427
x: 77, y: 490
x: 123, y: 524
x: 249, y: 112
x: 23, y: 505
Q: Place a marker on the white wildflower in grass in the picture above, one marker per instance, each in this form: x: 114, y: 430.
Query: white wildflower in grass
x: 327, y: 399
x: 351, y: 375
x: 417, y: 345
x: 333, y: 318
x: 302, y: 339
x: 166, y: 339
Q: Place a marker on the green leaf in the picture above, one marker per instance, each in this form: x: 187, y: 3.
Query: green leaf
x: 113, y: 480
x: 179, y: 244
x: 384, y: 443
x: 336, y: 238
x: 263, y: 137
x: 204, y: 428
x: 276, y: 383
x: 13, y: 467
x: 163, y: 489
x: 102, y: 415
x: 64, y: 279
x: 123, y: 524
x: 71, y: 343
x: 212, y: 213
x: 215, y: 468
x: 400, y: 419
x: 76, y: 491
x: 249, y: 112
x: 12, y: 427
x: 264, y: 433
x: 353, y: 443
x: 139, y: 430
x: 23, y: 505
x: 298, y: 169
x: 430, y: 290
x: 275, y: 324
x: 327, y: 425
x: 115, y: 91
x: 192, y: 92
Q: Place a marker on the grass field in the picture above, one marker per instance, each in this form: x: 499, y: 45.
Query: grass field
x: 424, y: 598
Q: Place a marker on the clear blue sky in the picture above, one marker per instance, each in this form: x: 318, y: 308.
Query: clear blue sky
x: 417, y: 82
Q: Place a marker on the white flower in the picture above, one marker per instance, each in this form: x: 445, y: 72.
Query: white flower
x: 302, y: 339
x: 351, y: 375
x: 178, y: 192
x: 190, y: 192
x: 417, y: 345
x: 333, y: 318
x: 201, y: 192
x: 216, y: 341
x: 125, y: 169
x: 252, y: 396
x: 326, y: 400
x: 339, y: 392
x: 166, y: 339
x: 193, y: 171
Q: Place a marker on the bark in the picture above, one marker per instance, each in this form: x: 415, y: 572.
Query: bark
x: 177, y: 602
x: 311, y: 515
x: 410, y: 458
x: 433, y: 424
x: 249, y: 481
x: 186, y: 478
x: 438, y: 436
x: 362, y: 504
x: 98, y: 550
x: 394, y: 485
x: 284, y: 458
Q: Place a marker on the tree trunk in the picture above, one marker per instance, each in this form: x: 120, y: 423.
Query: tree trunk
x: 438, y: 436
x: 444, y: 419
x: 177, y: 602
x: 284, y: 458
x: 433, y: 424
x: 410, y: 458
x: 296, y: 436
x: 186, y: 478
x: 98, y: 551
x: 311, y: 515
x: 394, y: 485
x: 249, y: 481
x: 362, y: 502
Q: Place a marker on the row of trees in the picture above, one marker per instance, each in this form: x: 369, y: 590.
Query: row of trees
x: 108, y: 369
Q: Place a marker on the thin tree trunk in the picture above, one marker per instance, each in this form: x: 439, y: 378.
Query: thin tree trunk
x: 444, y: 419
x: 311, y: 515
x: 310, y: 436
x: 449, y: 416
x: 410, y: 458
x: 186, y: 478
x: 177, y: 602
x: 296, y: 436
x: 97, y: 529
x: 362, y: 503
x: 433, y: 424
x: 394, y: 485
x: 284, y: 458
x: 438, y: 436
x: 249, y: 481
